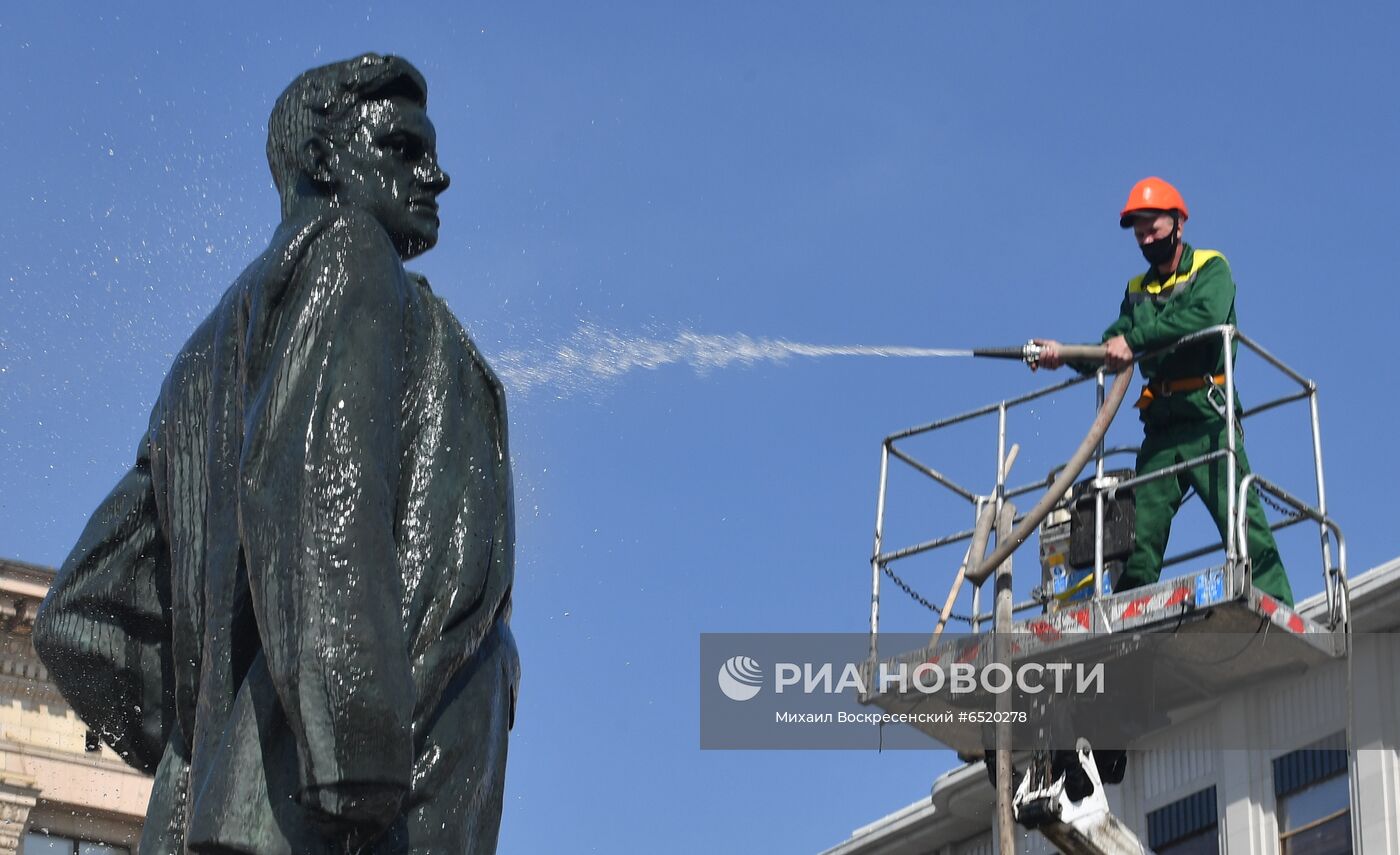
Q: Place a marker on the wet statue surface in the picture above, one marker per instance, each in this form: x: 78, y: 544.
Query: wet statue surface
x: 293, y: 609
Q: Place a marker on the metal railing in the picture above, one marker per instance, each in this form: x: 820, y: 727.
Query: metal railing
x: 1236, y: 533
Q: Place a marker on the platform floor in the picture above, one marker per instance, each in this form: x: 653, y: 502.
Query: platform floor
x: 1217, y: 645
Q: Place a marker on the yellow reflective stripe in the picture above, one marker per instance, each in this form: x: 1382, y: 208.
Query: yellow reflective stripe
x: 1136, y: 286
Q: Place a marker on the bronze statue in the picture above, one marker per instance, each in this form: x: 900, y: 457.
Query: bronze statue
x: 294, y: 608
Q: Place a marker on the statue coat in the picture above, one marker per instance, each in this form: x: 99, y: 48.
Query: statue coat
x: 294, y: 608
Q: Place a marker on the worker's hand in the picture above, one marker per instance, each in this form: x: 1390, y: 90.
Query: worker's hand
x: 1117, y: 355
x: 1049, y: 354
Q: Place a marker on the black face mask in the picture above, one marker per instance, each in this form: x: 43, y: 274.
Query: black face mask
x: 1161, y: 251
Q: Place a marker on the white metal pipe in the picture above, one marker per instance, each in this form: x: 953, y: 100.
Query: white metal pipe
x: 1173, y: 469
x: 1098, y: 493
x: 986, y: 410
x: 1328, y: 582
x: 1274, y: 361
x: 1002, y: 607
x: 875, y: 553
x: 1275, y: 402
x: 925, y: 469
x: 1231, y: 547
x: 1254, y: 480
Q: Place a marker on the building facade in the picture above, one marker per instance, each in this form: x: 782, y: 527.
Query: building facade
x: 61, y: 790
x: 1314, y: 795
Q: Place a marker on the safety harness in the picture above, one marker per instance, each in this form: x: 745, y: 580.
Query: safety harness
x: 1166, y: 388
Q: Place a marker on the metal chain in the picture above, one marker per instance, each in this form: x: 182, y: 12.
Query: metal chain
x: 904, y: 586
x: 917, y: 597
x: 1267, y: 498
x: 913, y: 594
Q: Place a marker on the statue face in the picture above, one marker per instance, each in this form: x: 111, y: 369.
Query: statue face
x: 389, y: 168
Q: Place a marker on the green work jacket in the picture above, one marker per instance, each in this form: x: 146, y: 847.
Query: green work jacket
x: 1154, y: 313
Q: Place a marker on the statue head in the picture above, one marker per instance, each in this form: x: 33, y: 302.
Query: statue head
x: 356, y: 134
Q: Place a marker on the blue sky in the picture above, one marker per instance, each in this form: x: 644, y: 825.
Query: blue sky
x: 934, y: 173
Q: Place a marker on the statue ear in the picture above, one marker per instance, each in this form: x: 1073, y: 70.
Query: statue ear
x: 314, y: 158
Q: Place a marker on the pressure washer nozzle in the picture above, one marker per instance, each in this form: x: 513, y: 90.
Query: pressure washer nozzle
x: 1028, y: 353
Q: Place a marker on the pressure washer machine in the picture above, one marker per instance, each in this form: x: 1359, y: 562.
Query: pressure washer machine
x: 1067, y: 540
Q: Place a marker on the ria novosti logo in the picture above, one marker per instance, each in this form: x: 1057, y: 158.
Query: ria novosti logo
x: 740, y: 678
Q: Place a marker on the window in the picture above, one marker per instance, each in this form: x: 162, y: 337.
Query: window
x: 1189, y: 826
x: 39, y: 843
x: 1313, y: 799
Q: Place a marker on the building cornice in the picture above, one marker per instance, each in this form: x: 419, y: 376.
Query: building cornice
x: 22, y: 588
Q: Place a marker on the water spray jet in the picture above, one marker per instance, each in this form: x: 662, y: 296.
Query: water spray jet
x: 593, y: 355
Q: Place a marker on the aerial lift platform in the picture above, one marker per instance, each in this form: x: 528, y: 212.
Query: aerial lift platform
x: 1074, y: 613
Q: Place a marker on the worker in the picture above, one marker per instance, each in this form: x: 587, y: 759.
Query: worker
x: 1182, y: 406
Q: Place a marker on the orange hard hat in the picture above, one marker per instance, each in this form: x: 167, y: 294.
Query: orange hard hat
x: 1152, y: 194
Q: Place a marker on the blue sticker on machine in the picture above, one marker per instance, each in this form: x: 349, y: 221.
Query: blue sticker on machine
x: 1210, y: 587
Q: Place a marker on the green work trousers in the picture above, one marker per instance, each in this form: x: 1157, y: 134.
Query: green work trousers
x: 1157, y: 502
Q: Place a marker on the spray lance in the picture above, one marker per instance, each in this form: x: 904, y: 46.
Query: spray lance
x: 1030, y: 352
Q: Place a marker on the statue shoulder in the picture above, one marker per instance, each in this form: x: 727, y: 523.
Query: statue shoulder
x: 350, y: 252
x: 336, y: 263
x: 330, y: 245
x: 350, y: 234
